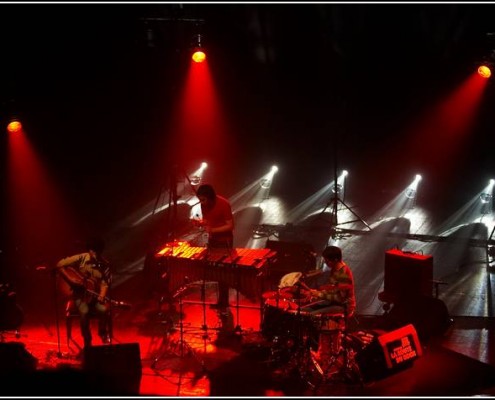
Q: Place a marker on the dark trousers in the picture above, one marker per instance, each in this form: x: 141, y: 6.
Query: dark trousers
x: 101, y: 311
x: 223, y: 294
x: 223, y: 289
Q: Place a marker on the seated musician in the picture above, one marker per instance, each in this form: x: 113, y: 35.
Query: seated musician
x: 88, y: 275
x: 338, y: 296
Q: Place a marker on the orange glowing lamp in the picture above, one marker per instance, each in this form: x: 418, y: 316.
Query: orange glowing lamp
x: 14, y: 126
x: 484, y: 71
x: 198, y: 56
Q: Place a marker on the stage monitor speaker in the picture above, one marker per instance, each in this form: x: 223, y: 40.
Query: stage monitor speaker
x: 389, y: 352
x: 407, y: 274
x: 15, y: 358
x: 114, y: 369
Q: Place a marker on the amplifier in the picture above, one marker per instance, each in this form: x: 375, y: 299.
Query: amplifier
x: 407, y: 274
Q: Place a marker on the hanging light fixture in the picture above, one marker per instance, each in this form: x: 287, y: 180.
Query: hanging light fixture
x: 198, y: 55
x: 14, y: 126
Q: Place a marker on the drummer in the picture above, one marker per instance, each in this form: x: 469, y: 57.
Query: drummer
x: 338, y: 293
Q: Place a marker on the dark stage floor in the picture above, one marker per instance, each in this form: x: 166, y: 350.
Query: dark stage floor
x: 147, y: 356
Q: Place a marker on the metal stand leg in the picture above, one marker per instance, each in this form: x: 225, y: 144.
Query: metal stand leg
x: 334, y: 361
x: 204, y: 327
x: 238, y: 328
x: 181, y: 348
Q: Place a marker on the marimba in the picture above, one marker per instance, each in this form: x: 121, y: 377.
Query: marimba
x: 242, y: 269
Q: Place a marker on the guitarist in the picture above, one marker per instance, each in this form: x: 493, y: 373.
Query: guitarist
x: 88, y: 275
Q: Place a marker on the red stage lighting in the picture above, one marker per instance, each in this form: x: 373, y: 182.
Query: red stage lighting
x: 14, y: 126
x: 484, y: 71
x: 198, y: 56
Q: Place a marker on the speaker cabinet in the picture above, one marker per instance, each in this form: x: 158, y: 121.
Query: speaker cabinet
x: 114, y: 369
x: 407, y: 274
x: 389, y: 352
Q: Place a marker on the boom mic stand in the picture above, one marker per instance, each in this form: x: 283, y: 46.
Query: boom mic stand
x: 60, y: 354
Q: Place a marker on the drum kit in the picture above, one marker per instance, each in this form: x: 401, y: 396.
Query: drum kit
x: 299, y: 329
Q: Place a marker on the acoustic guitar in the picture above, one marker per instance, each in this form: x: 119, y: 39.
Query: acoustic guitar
x: 73, y: 281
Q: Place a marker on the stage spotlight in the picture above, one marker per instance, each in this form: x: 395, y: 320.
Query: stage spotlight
x: 411, y: 191
x: 265, y: 183
x: 337, y: 188
x: 198, y: 55
x: 484, y: 71
x: 195, y: 180
x: 485, y: 198
x: 14, y: 126
x: 197, y: 176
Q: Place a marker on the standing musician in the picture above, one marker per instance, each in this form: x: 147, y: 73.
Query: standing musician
x: 88, y: 275
x: 218, y: 221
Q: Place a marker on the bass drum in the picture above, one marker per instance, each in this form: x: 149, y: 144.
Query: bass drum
x: 11, y: 314
x: 276, y: 320
x: 281, y: 320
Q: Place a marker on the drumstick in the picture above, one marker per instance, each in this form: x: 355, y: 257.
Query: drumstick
x: 304, y: 285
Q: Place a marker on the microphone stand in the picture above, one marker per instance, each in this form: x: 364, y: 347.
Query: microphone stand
x: 57, y: 317
x: 57, y: 324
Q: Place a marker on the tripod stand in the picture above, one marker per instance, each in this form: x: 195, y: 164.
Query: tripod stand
x: 178, y: 349
x: 334, y: 202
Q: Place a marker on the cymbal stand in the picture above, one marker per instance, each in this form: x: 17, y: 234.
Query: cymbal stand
x: 238, y: 328
x: 183, y: 347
